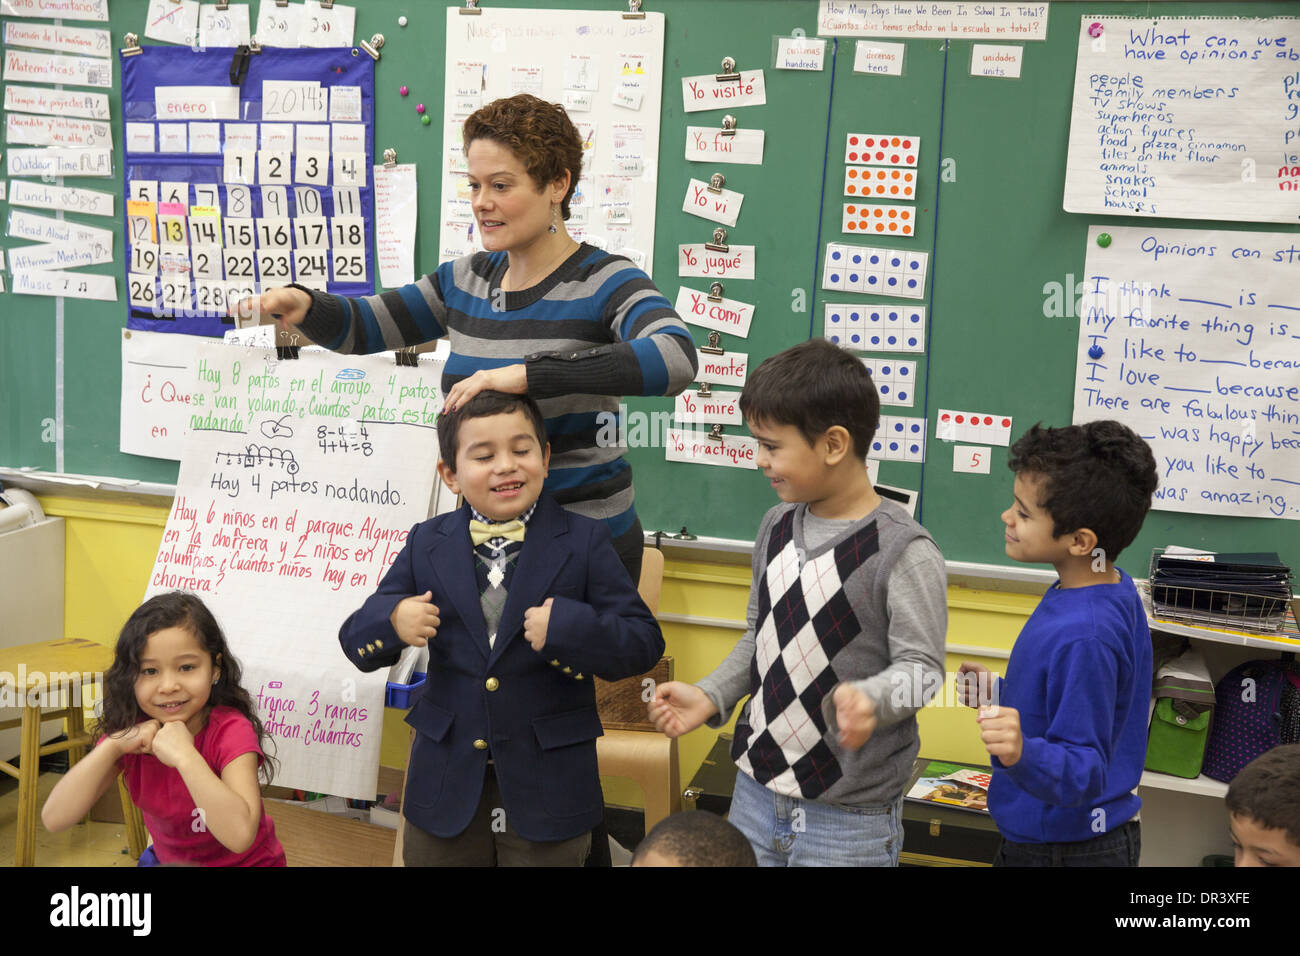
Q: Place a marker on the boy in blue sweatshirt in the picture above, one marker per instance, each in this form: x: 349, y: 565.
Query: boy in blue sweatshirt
x: 1066, y: 728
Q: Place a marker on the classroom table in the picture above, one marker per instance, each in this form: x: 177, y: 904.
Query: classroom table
x: 32, y: 675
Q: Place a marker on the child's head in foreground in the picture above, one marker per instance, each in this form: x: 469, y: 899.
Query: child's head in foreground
x: 1097, y: 478
x: 1264, y: 809
x: 172, y: 664
x: 494, y: 452
x: 694, y: 838
x: 812, y: 408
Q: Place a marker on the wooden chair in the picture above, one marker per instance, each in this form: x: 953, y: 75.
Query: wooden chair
x: 631, y: 747
x: 46, y: 669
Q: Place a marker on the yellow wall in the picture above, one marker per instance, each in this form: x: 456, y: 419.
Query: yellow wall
x: 111, y: 546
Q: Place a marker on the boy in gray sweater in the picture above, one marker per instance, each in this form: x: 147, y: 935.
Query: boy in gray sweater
x: 847, y: 617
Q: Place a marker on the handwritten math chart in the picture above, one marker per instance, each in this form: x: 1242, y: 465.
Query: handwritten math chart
x: 230, y: 190
x: 1192, y: 338
x: 1186, y: 118
x: 299, y: 483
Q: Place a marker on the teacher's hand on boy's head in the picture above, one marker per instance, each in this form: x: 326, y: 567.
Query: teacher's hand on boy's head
x: 172, y: 742
x: 1000, y: 732
x: 288, y: 306
x: 855, y: 715
x: 973, y: 683
x: 536, y: 621
x: 509, y: 378
x: 416, y: 619
x: 678, y: 708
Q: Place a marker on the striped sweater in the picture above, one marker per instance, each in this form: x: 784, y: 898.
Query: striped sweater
x: 594, y: 330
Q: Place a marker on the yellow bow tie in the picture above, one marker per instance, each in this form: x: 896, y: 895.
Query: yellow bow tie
x: 480, y: 531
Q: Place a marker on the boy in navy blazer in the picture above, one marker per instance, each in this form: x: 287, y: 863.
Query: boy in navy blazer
x: 520, y: 604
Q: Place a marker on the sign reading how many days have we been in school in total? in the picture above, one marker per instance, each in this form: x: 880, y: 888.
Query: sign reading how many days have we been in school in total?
x: 1192, y: 339
x: 1186, y: 118
x: 299, y: 483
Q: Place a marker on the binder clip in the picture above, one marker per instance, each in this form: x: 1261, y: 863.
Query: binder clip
x: 728, y: 74
x: 470, y: 8
x: 716, y: 182
x: 715, y: 342
x: 132, y: 47
x: 373, y: 46
x: 390, y: 158
x: 715, y: 295
x: 281, y: 3
x: 719, y: 243
x: 327, y: 4
x: 223, y: 5
x: 634, y: 11
x: 406, y: 358
x: 715, y: 433
x: 239, y: 62
x: 728, y: 125
x: 704, y: 390
x: 287, y: 344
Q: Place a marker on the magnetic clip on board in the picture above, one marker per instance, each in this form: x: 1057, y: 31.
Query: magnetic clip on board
x: 719, y: 243
x: 728, y: 74
x: 132, y: 47
x: 390, y: 158
x: 634, y: 11
x: 715, y: 338
x: 373, y: 46
x: 715, y: 295
x: 470, y: 8
x: 728, y: 125
x: 407, y: 358
x: 716, y: 182
x: 715, y: 433
x: 705, y: 391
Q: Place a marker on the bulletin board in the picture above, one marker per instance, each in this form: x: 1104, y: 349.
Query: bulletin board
x: 989, y: 215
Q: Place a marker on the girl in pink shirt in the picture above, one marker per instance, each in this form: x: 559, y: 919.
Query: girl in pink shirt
x: 185, y: 733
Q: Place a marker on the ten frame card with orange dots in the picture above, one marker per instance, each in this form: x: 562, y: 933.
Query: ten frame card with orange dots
x: 879, y: 220
x: 879, y: 182
x: 882, y: 149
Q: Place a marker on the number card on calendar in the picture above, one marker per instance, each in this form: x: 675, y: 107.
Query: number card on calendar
x: 232, y: 190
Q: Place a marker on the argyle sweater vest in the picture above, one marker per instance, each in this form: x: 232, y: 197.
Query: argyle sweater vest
x: 804, y: 645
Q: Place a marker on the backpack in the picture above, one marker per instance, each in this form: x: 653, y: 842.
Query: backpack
x: 1256, y: 708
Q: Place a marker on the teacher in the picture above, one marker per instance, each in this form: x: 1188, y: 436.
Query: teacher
x: 538, y: 313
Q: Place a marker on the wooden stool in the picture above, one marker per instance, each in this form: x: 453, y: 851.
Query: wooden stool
x: 28, y: 673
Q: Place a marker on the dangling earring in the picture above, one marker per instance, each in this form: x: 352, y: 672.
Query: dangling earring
x: 555, y: 219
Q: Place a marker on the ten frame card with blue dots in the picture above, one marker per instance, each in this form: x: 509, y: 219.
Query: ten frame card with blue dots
x: 893, y: 272
x: 894, y: 380
x: 899, y: 439
x: 876, y: 326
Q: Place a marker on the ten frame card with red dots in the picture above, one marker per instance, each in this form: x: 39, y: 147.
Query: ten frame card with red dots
x: 981, y: 427
x: 879, y: 220
x: 878, y: 327
x: 882, y: 149
x: 879, y: 182
x: 899, y: 439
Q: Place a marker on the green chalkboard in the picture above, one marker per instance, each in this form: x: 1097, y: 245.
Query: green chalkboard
x: 989, y: 213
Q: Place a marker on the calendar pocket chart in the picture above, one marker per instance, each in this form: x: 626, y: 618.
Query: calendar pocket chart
x: 233, y: 190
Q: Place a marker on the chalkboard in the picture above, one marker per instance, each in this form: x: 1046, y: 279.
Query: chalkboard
x: 989, y: 213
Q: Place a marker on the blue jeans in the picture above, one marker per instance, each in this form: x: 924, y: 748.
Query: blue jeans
x: 790, y: 831
x: 1120, y: 847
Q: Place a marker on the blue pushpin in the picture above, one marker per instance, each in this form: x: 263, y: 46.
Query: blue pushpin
x: 1095, y: 352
